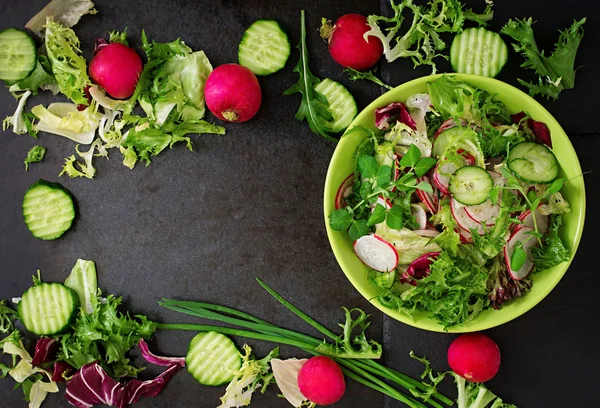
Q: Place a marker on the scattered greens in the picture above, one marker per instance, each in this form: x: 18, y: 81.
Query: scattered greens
x: 34, y: 155
x: 66, y: 12
x: 555, y: 72
x: 422, y: 42
x: 355, y: 75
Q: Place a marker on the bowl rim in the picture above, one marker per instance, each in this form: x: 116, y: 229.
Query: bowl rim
x: 426, y: 323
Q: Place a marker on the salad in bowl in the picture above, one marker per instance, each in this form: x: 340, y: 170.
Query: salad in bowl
x: 454, y: 205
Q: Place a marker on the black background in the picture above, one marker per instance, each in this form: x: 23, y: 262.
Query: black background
x: 203, y: 225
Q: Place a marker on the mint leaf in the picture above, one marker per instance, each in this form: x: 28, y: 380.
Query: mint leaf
x: 358, y: 229
x: 377, y: 216
x: 395, y: 217
x: 340, y: 220
x: 424, y: 165
x: 411, y: 158
x: 518, y: 258
x: 367, y: 166
x: 424, y: 186
x: 384, y: 176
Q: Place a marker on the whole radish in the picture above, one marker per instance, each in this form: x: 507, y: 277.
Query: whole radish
x: 321, y: 381
x: 232, y: 93
x: 474, y: 356
x: 116, y: 68
x: 347, y: 45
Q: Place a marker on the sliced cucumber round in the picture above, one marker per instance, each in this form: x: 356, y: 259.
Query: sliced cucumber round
x: 478, y: 51
x: 265, y: 47
x: 342, y: 105
x: 48, y: 210
x: 48, y: 308
x: 533, y: 163
x: 470, y: 185
x: 17, y: 55
x: 212, y: 359
x: 455, y: 136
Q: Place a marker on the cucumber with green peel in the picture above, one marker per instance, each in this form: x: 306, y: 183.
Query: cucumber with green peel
x: 342, y: 105
x: 212, y: 359
x: 48, y: 210
x: 265, y: 47
x: 533, y: 163
x: 384, y: 280
x: 478, y: 51
x: 48, y: 308
x: 470, y: 185
x: 18, y: 55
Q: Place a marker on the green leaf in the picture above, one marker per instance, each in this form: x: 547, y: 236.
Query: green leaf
x: 424, y: 186
x: 555, y: 186
x: 423, y: 166
x: 494, y: 193
x: 553, y: 251
x: 340, y: 220
x: 358, y: 229
x: 395, y: 218
x: 411, y: 158
x: 314, y: 106
x: 34, y: 155
x: 355, y: 75
x: 384, y: 176
x: 365, y: 190
x: 377, y: 216
x: 367, y: 166
x: 518, y: 258
x: 118, y: 37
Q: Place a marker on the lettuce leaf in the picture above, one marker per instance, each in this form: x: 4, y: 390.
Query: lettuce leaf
x: 555, y: 72
x: 68, y: 65
x: 84, y: 281
x: 553, y: 251
x: 409, y: 245
x: 64, y: 119
x: 18, y: 119
x: 66, y: 12
x: 40, y: 78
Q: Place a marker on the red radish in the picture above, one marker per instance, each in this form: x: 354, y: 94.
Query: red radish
x: 474, y: 356
x: 344, y: 191
x: 232, y: 93
x: 116, y: 68
x: 419, y: 213
x: 486, y: 212
x: 321, y: 381
x: 376, y: 253
x: 542, y: 221
x: 465, y: 236
x: 347, y: 44
x: 430, y: 200
x: 521, y: 234
x: 462, y: 219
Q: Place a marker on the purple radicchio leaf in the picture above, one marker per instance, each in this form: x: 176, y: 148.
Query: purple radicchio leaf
x: 62, y: 370
x: 158, y: 360
x: 539, y: 129
x: 419, y: 268
x: 136, y: 389
x: 394, y: 112
x: 45, y: 350
x: 506, y: 288
x: 100, y: 43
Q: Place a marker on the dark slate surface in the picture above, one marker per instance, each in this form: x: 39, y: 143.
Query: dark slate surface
x: 203, y: 225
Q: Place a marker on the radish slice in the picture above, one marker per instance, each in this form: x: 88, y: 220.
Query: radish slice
x: 447, y: 124
x: 485, y: 212
x: 343, y: 192
x: 419, y: 213
x: 521, y: 234
x: 465, y: 236
x: 430, y: 200
x: 376, y: 253
x: 430, y: 233
x: 542, y: 221
x: 462, y: 219
x: 385, y: 202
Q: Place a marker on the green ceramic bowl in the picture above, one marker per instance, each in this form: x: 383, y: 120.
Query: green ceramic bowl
x: 574, y: 191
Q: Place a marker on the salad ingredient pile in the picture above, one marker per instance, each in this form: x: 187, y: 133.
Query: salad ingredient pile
x: 453, y: 203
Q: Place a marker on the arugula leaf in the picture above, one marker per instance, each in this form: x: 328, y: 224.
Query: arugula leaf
x: 553, y: 251
x: 395, y: 218
x: 355, y: 75
x: 557, y: 71
x: 340, y: 220
x: 314, y: 106
x: 34, y: 155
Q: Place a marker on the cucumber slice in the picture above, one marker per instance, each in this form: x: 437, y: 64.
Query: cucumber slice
x: 17, y: 55
x: 533, y: 163
x: 212, y: 359
x: 265, y: 47
x: 457, y: 136
x: 342, y: 105
x: 48, y: 308
x: 470, y: 185
x: 384, y: 280
x: 478, y: 51
x: 48, y: 210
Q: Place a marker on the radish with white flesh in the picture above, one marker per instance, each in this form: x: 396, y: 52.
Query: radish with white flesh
x: 542, y: 221
x: 419, y: 213
x: 462, y: 219
x: 376, y: 253
x: 430, y: 200
x: 446, y: 168
x: 486, y: 212
x: 522, y: 234
x: 447, y: 124
x: 344, y: 191
x: 465, y: 236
